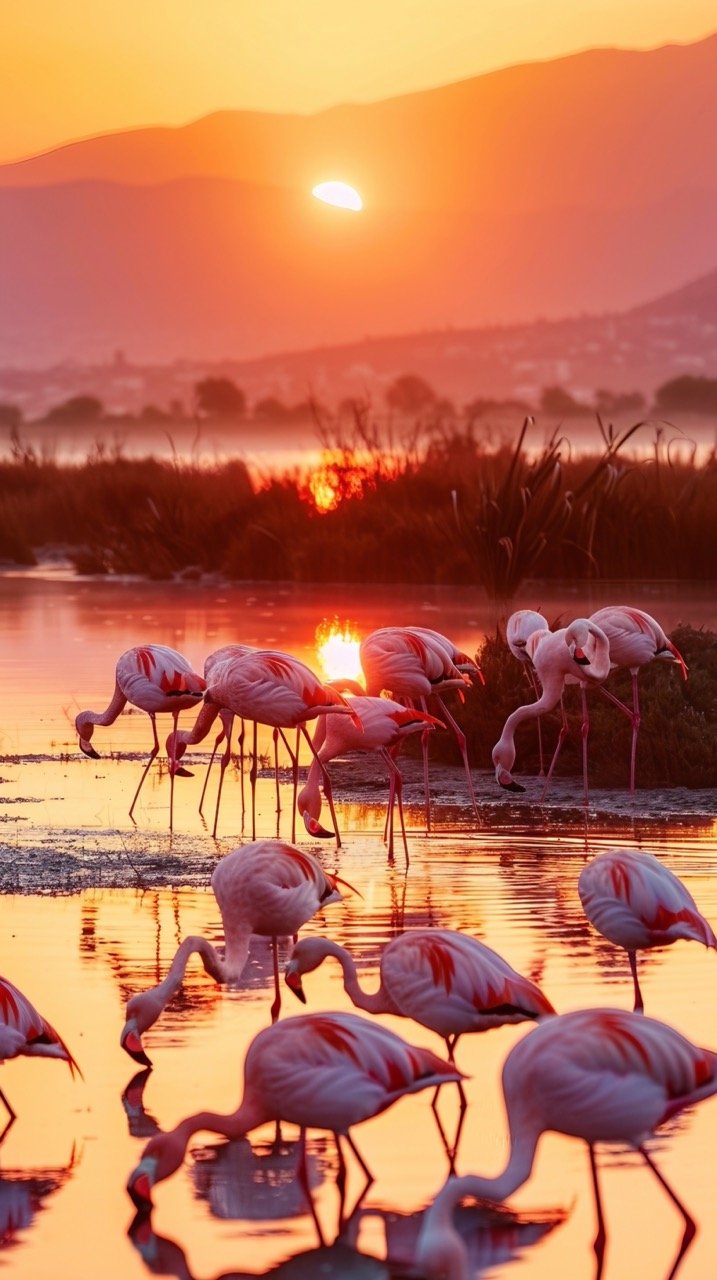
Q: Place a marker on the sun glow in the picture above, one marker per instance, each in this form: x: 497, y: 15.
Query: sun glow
x: 337, y: 649
x: 338, y: 193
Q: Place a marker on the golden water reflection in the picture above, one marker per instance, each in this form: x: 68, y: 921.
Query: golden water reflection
x: 230, y: 1210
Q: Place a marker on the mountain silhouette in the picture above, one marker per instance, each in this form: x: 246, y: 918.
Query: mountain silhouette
x: 582, y: 184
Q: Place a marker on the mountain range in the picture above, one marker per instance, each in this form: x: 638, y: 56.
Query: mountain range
x: 582, y: 185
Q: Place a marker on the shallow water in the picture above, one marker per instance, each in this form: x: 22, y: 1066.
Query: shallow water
x: 80, y: 948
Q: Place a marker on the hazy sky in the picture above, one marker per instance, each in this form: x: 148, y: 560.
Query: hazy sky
x: 72, y: 69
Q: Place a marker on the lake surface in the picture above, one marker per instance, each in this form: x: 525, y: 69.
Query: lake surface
x: 80, y: 952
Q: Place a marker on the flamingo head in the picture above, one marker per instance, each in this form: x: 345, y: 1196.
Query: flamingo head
x: 506, y: 780
x: 131, y: 1042
x: 85, y: 729
x: 672, y: 654
x: 176, y: 747
x: 314, y: 827
x: 292, y: 978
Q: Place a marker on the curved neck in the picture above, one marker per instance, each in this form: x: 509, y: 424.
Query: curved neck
x: 203, y: 723
x: 118, y: 703
x: 188, y: 947
x: 309, y: 798
x: 372, y: 1002
x: 248, y: 1115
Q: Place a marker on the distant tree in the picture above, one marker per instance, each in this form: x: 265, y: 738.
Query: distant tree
x: 558, y: 401
x: 219, y: 398
x: 10, y: 415
x: 689, y: 393
x: 269, y: 409
x: 152, y: 413
x: 78, y: 409
x: 619, y: 402
x: 409, y: 394
x: 484, y: 405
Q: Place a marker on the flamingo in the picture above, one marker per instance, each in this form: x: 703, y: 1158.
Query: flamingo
x: 154, y: 678
x: 522, y: 631
x: 268, y: 888
x: 577, y: 652
x: 385, y: 724
x: 326, y: 1071
x: 270, y: 688
x: 413, y: 664
x: 635, y: 639
x: 636, y: 902
x: 25, y: 1033
x: 603, y: 1075
x: 443, y: 979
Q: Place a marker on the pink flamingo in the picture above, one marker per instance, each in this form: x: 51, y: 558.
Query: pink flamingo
x: 155, y: 679
x: 604, y: 1075
x: 635, y: 639
x: 267, y: 888
x: 577, y: 652
x: 25, y: 1033
x: 269, y: 688
x: 211, y: 663
x: 636, y: 902
x: 326, y: 1071
x: 384, y: 725
x: 443, y: 979
x: 413, y: 664
x: 522, y: 631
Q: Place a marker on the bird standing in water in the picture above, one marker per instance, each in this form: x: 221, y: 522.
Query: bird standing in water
x: 156, y: 679
x: 267, y: 888
x: 603, y: 1075
x: 637, y: 902
x: 325, y: 1071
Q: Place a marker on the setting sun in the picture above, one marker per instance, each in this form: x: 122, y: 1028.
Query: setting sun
x: 338, y: 193
x: 337, y: 649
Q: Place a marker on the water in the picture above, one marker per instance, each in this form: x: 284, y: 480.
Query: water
x: 234, y: 1209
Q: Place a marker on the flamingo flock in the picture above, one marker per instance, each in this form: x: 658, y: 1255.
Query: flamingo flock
x: 598, y: 1074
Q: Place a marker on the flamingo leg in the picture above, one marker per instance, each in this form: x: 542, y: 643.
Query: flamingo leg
x: 424, y: 752
x: 601, y: 1237
x: 639, y: 1006
x: 226, y: 756
x: 303, y: 1176
x: 585, y: 731
x: 12, y: 1114
x: 276, y: 1005
x: 690, y: 1225
x: 294, y: 757
x: 562, y: 735
x: 219, y: 738
x: 633, y: 715
x: 535, y: 686
x: 395, y: 793
x: 328, y: 791
x: 241, y: 765
x: 172, y: 764
x: 462, y: 747
x: 252, y: 782
x: 275, y: 739
x: 343, y: 1218
x: 152, y: 755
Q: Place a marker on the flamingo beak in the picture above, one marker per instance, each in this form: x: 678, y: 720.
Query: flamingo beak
x: 508, y: 783
x: 179, y: 771
x: 580, y: 658
x: 89, y: 749
x: 131, y: 1042
x: 292, y: 978
x: 315, y: 828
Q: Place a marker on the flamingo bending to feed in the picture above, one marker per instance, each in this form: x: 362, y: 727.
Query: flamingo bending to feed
x: 443, y: 979
x: 384, y: 725
x: 413, y: 664
x: 522, y: 631
x: 211, y: 663
x: 267, y: 888
x: 635, y: 639
x: 155, y: 679
x: 636, y: 902
x: 326, y: 1071
x: 270, y: 688
x: 603, y: 1075
x: 577, y: 652
x: 25, y: 1033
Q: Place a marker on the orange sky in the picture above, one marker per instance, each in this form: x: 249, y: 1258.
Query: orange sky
x: 71, y: 70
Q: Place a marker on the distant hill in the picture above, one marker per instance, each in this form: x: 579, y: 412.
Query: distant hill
x: 583, y: 184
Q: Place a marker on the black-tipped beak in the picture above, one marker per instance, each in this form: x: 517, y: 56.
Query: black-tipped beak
x: 293, y: 982
x: 89, y: 750
x: 512, y: 786
x: 131, y: 1042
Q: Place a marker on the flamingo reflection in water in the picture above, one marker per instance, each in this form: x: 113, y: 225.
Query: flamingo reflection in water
x: 24, y: 1193
x: 327, y: 1071
x: 268, y: 888
x: 156, y: 679
x: 603, y: 1075
x: 25, y: 1033
x: 637, y: 902
x: 443, y: 979
x: 383, y: 726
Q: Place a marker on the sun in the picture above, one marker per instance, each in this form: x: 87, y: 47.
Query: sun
x: 337, y: 649
x: 340, y: 194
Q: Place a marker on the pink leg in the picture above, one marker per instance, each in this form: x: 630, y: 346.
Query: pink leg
x: 639, y: 1006
x: 226, y: 756
x: 219, y: 738
x: 424, y: 750
x: 303, y: 1176
x: 276, y: 1006
x: 561, y: 738
x: 154, y: 752
x: 601, y: 1237
x: 690, y: 1225
x: 461, y: 740
x: 252, y: 782
x: 634, y: 717
x: 395, y: 793
x: 535, y: 686
x: 584, y: 731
